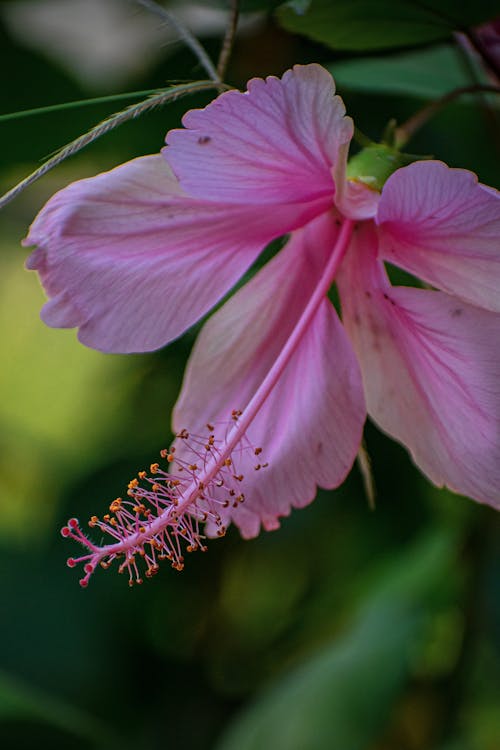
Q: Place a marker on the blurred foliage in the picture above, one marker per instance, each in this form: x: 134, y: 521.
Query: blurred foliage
x: 378, y: 24
x: 428, y: 73
x: 347, y: 629
x: 322, y: 698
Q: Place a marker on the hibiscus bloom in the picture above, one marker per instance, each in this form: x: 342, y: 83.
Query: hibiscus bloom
x: 135, y: 256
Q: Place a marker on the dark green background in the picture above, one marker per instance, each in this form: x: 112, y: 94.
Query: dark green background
x: 347, y: 629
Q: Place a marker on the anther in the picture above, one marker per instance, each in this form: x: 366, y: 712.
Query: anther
x: 175, y: 504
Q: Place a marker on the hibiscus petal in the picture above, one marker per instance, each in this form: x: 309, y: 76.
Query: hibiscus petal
x: 275, y: 143
x: 431, y: 372
x: 444, y: 226
x: 133, y: 262
x: 311, y: 423
x: 353, y: 199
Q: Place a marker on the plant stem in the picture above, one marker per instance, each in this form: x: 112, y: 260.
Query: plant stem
x: 227, y: 44
x: 406, y: 131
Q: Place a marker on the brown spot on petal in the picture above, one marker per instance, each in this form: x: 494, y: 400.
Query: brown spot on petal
x: 204, y: 139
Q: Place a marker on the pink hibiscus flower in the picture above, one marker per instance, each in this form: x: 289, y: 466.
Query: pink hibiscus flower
x: 135, y: 256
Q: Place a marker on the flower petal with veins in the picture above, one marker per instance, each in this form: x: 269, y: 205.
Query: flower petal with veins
x: 431, y: 372
x: 442, y: 225
x: 133, y: 262
x: 275, y: 143
x: 310, y: 426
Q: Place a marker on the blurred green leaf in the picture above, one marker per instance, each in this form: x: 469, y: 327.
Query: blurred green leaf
x: 378, y: 24
x: 424, y: 73
x: 19, y: 701
x: 60, y: 400
x: 345, y: 692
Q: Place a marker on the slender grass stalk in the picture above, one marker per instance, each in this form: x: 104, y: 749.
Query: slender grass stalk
x: 75, y: 104
x: 110, y: 123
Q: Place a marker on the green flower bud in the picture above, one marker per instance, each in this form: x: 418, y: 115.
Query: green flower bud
x: 375, y: 163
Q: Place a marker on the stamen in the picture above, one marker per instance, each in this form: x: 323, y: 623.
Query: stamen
x: 201, y: 478
x: 162, y: 512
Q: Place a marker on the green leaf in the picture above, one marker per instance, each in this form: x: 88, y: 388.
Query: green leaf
x: 343, y: 695
x: 379, y: 24
x: 427, y: 73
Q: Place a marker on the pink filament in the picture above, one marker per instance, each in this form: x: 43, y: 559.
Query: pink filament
x: 174, y: 504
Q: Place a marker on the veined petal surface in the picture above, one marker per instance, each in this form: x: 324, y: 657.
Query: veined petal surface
x: 311, y: 423
x: 275, y: 143
x: 442, y: 225
x: 431, y: 372
x: 133, y: 262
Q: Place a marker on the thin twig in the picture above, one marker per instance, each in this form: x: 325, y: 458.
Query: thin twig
x: 227, y: 44
x: 129, y: 113
x: 406, y: 131
x: 186, y: 35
